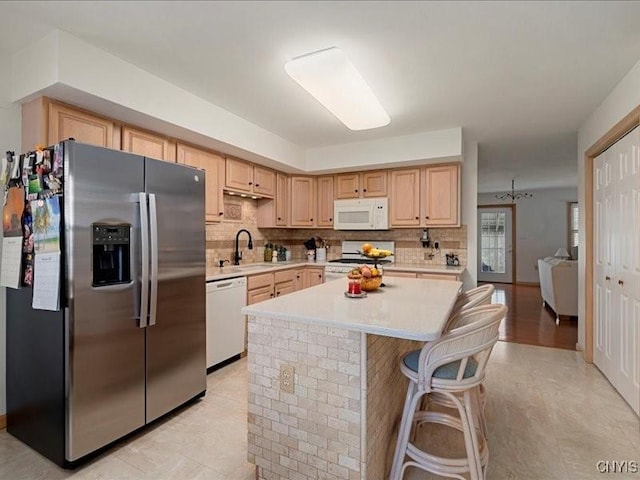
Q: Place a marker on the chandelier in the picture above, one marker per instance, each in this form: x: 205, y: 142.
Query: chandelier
x: 512, y: 195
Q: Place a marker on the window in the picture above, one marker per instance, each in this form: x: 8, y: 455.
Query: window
x: 573, y: 224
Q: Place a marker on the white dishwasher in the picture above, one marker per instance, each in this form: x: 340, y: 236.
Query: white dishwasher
x: 225, y: 323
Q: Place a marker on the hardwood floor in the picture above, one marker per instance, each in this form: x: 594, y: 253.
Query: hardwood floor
x: 529, y: 322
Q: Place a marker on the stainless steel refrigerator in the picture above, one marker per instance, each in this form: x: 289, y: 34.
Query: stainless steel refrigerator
x: 128, y: 344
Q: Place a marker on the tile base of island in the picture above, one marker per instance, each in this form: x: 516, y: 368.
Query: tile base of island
x: 340, y: 421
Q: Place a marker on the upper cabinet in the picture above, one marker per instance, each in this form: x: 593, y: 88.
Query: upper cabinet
x: 325, y: 202
x: 358, y: 185
x: 213, y: 165
x: 302, y: 204
x: 273, y: 212
x: 245, y: 177
x: 148, y: 144
x: 441, y: 196
x: 65, y: 123
x: 404, y: 201
x: 425, y: 197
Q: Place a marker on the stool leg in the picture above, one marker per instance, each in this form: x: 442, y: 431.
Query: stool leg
x: 404, y: 430
x: 473, y: 447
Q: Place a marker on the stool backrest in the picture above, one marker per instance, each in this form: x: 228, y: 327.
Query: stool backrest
x: 472, y: 338
x: 471, y: 298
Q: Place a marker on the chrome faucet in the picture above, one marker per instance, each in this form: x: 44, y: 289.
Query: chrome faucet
x: 237, y: 255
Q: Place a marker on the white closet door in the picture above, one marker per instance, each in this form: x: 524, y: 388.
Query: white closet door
x: 627, y: 280
x: 617, y: 266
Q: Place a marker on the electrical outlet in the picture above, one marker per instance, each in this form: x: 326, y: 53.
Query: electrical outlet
x: 287, y: 373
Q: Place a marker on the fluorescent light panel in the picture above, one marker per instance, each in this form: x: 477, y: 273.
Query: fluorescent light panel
x: 334, y: 81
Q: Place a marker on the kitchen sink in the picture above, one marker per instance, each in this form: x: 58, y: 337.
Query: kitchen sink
x: 253, y: 266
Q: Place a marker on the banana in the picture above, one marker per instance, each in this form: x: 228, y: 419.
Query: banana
x: 377, y: 252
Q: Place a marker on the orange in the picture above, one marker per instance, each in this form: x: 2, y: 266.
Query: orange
x: 366, y: 248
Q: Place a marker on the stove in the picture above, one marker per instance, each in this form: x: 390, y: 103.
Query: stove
x: 351, y: 257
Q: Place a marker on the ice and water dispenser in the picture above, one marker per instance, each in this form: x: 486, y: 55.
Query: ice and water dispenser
x: 111, y: 254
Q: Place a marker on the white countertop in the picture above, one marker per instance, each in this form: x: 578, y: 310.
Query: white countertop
x: 216, y: 273
x: 415, y: 309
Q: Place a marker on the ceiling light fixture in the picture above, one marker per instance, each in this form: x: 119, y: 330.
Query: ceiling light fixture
x: 334, y: 81
x: 512, y: 195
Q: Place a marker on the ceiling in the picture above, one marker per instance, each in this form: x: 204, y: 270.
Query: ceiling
x: 519, y: 77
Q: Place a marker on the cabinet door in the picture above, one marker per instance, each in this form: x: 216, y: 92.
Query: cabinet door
x: 438, y: 276
x: 399, y: 274
x: 259, y: 295
x: 239, y: 175
x: 325, y: 202
x: 347, y: 185
x: 213, y: 165
x: 299, y: 279
x: 302, y: 201
x: 441, y: 196
x: 284, y: 288
x: 65, y: 122
x: 405, y: 198
x: 282, y: 194
x: 264, y: 181
x: 148, y: 144
x: 374, y: 184
x: 313, y: 276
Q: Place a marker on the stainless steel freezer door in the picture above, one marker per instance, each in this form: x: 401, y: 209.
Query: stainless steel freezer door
x: 176, y: 337
x: 106, y: 390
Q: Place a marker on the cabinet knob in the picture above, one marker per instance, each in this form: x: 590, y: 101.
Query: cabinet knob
x: 356, y: 190
x: 620, y: 282
x: 331, y: 219
x: 277, y: 293
x: 319, y: 275
x: 607, y: 278
x: 271, y: 294
x: 417, y: 218
x: 364, y: 189
x: 279, y: 218
x: 257, y: 184
x: 250, y: 183
x: 427, y: 217
x: 220, y: 213
x: 311, y: 219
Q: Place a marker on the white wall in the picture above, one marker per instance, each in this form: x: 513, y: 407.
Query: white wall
x: 541, y: 227
x: 10, y: 126
x: 622, y: 99
x: 469, y: 206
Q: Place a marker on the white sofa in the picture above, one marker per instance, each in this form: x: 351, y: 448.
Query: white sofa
x: 559, y: 285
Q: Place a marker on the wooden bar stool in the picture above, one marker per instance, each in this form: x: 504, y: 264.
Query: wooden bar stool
x: 452, y: 366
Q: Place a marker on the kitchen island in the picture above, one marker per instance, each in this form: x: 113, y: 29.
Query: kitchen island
x: 337, y: 416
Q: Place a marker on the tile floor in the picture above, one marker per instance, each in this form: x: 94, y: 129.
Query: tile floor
x: 551, y: 417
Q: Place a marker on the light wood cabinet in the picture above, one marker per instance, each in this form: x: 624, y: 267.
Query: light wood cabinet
x: 364, y: 184
x: 213, y: 165
x: 325, y: 202
x: 259, y: 294
x: 282, y: 193
x: 404, y: 201
x: 441, y: 196
x: 148, y: 144
x: 399, y: 274
x: 313, y: 276
x: 439, y: 276
x: 65, y: 122
x: 302, y: 201
x: 273, y: 212
x: 238, y: 175
x: 241, y: 176
x: 264, y: 181
x: 299, y: 278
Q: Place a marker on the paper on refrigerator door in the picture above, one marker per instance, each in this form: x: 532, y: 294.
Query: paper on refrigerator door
x: 11, y: 258
x: 46, y: 282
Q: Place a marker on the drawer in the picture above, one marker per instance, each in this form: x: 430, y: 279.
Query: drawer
x: 258, y: 281
x: 285, y: 276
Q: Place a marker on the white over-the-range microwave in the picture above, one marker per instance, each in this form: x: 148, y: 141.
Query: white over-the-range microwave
x: 361, y: 214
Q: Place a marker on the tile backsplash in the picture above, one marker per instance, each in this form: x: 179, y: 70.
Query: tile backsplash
x: 221, y: 239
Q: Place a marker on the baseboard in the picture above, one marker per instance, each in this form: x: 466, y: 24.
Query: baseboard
x: 579, y: 347
x: 3, y: 422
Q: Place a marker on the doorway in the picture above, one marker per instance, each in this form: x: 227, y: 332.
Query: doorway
x: 496, y: 234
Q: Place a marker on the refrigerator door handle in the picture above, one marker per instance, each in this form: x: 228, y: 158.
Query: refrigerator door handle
x: 144, y: 240
x: 153, y: 224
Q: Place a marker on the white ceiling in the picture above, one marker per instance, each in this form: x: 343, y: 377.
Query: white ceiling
x: 519, y: 77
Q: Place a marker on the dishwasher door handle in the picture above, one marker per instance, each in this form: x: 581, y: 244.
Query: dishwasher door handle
x: 221, y: 285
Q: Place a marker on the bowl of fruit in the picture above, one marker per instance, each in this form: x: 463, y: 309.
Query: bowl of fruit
x: 370, y: 277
